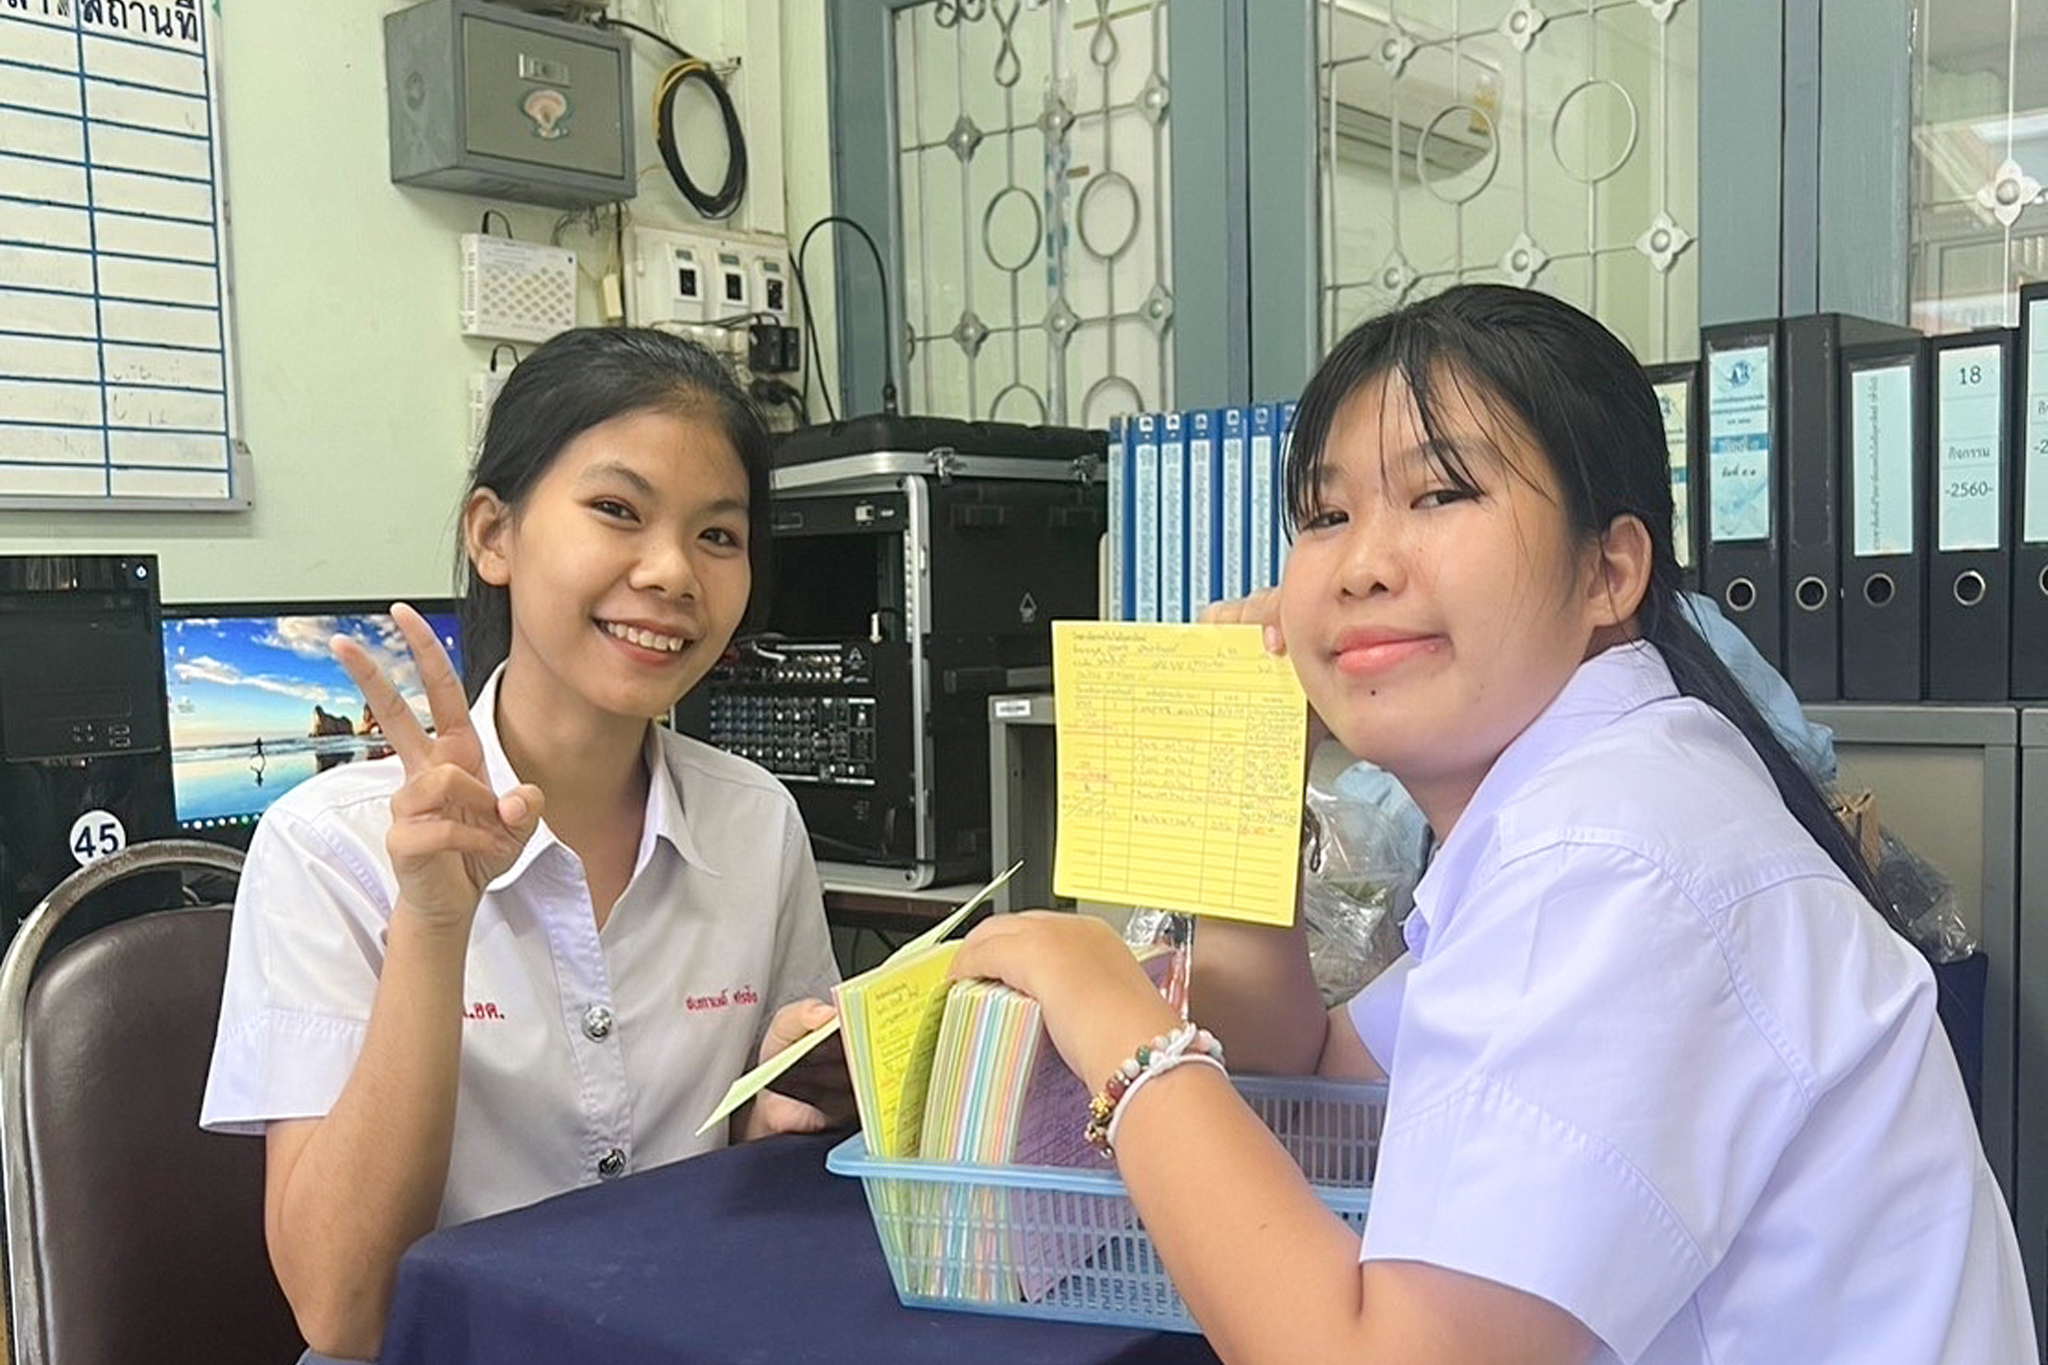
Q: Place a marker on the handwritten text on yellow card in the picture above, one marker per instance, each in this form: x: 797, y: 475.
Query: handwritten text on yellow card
x: 903, y: 1011
x: 1180, y: 769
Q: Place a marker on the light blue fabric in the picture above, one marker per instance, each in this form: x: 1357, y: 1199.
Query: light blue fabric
x: 1812, y: 746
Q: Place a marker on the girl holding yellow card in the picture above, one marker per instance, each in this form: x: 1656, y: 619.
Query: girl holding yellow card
x: 1664, y: 1085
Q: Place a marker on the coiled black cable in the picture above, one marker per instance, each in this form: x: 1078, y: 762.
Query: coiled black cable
x: 689, y: 66
x: 726, y: 199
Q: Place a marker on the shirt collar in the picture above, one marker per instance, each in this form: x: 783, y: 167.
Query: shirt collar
x: 663, y: 818
x: 666, y: 815
x: 1604, y: 688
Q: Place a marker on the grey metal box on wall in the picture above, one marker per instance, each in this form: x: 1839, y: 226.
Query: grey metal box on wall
x: 491, y: 101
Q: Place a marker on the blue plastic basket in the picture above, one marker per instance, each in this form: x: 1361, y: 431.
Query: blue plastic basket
x: 1059, y: 1242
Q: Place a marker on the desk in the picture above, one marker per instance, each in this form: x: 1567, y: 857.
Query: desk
x: 754, y: 1253
x: 868, y: 923
x: 867, y: 907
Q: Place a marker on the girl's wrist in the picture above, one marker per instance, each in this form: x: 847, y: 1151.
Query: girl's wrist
x: 431, y: 929
x: 1122, y: 1032
x: 1187, y: 1044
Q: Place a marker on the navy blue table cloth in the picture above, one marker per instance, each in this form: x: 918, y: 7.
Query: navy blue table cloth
x: 753, y: 1254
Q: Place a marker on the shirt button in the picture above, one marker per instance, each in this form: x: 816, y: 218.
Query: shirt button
x: 597, y: 1023
x: 612, y: 1163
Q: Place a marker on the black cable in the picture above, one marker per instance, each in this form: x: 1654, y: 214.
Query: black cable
x: 606, y: 21
x: 811, y: 327
x: 888, y: 336
x: 803, y: 294
x: 767, y: 390
x: 726, y: 199
x: 690, y: 66
x: 484, y: 224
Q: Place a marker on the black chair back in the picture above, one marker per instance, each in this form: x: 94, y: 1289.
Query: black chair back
x: 132, y: 1234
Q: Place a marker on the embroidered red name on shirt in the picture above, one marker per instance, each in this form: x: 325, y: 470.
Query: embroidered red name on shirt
x: 483, y: 1009
x: 725, y: 999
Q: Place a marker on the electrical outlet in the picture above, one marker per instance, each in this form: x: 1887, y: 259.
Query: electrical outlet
x: 684, y: 275
x: 669, y: 277
x: 772, y: 287
x: 483, y: 392
x: 698, y: 286
x: 735, y: 290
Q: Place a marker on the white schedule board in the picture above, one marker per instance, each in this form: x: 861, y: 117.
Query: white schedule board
x: 116, y: 350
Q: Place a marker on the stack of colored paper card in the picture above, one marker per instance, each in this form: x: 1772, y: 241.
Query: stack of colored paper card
x: 891, y: 1016
x: 1000, y: 1094
x: 892, y: 986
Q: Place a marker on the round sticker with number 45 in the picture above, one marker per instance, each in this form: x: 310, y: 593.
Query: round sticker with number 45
x: 97, y: 834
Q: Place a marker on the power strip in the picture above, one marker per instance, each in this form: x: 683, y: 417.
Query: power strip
x: 516, y: 291
x: 483, y: 392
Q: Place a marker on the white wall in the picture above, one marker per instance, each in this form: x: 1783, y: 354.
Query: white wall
x: 353, y: 375
x: 807, y: 167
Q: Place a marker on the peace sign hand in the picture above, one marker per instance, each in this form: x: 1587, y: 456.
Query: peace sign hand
x: 450, y: 833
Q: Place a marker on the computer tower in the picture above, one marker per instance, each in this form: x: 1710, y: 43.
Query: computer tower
x: 85, y: 765
x: 917, y: 566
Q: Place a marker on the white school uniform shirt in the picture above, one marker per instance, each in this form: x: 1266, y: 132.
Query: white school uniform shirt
x: 585, y: 1053
x: 1652, y: 1059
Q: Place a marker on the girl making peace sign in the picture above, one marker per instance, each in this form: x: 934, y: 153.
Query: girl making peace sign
x: 530, y: 950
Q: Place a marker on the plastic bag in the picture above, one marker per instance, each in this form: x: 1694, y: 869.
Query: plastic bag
x: 1170, y: 929
x: 1359, y: 865
x: 1921, y: 898
x: 1924, y: 899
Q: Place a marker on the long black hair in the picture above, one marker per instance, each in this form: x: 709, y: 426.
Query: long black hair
x: 577, y: 380
x: 1569, y: 384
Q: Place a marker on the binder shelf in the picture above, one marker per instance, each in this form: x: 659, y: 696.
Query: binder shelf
x: 1063, y: 1243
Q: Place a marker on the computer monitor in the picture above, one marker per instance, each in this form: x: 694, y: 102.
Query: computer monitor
x: 258, y: 703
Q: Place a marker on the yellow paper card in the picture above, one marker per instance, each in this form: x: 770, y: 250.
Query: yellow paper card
x: 757, y: 1080
x: 902, y: 1008
x: 1180, y: 769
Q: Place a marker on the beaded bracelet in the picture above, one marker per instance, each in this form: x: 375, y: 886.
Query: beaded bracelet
x: 1185, y: 1044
